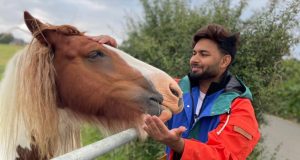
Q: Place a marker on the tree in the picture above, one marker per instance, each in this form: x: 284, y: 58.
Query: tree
x: 6, y: 38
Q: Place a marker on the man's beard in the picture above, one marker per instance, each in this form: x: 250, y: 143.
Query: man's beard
x: 209, y: 73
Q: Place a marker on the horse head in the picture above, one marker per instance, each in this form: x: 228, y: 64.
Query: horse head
x: 101, y: 81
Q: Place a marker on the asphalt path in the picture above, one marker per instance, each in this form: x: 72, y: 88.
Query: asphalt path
x: 281, y: 138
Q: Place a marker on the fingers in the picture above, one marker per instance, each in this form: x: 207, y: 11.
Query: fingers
x: 165, y: 115
x: 159, y: 132
x: 104, y: 39
x: 179, y: 130
x: 155, y: 128
x: 163, y: 128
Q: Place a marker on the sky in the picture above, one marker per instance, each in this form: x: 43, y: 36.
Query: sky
x: 95, y: 17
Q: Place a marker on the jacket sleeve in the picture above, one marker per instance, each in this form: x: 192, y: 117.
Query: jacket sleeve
x: 236, y: 141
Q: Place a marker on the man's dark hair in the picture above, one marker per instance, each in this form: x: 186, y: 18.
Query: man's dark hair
x: 227, y: 42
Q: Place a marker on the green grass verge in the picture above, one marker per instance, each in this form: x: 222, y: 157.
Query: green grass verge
x: 6, y: 52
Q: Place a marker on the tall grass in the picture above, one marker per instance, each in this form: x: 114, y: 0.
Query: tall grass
x: 6, y: 52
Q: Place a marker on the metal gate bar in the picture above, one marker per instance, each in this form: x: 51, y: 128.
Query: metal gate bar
x: 101, y: 147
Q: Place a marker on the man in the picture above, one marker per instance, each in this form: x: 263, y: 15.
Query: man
x: 218, y: 120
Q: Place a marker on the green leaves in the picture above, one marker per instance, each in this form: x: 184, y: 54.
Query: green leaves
x: 285, y: 99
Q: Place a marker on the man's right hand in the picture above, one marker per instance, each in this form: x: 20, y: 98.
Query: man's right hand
x: 104, y: 39
x: 159, y: 132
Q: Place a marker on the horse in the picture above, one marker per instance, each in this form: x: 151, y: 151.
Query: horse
x: 62, y: 80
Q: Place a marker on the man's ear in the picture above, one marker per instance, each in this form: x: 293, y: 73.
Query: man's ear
x: 38, y: 29
x: 225, y: 61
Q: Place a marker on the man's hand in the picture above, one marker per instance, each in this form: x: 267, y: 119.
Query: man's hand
x: 104, y: 39
x: 159, y: 132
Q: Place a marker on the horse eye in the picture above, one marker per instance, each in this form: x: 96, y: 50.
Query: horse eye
x: 95, y: 54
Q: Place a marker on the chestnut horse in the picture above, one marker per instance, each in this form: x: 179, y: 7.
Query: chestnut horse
x: 61, y: 79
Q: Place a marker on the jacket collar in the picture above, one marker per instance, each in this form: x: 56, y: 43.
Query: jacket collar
x: 228, y: 82
x: 214, y: 86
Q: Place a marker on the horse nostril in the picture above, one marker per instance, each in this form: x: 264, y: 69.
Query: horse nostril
x: 180, y: 102
x: 174, y: 92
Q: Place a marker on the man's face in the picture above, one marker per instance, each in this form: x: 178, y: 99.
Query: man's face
x: 205, y: 61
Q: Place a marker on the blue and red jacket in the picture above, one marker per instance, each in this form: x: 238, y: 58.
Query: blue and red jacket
x: 226, y: 127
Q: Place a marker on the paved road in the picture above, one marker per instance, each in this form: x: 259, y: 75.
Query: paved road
x: 283, y: 135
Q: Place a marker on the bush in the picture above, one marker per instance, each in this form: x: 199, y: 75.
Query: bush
x: 285, y: 92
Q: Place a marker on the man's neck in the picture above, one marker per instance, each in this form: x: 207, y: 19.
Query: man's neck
x: 204, y: 84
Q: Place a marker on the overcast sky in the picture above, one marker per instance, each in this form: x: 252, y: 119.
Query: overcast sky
x: 93, y: 16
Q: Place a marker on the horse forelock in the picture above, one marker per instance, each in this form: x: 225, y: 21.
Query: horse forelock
x: 67, y: 30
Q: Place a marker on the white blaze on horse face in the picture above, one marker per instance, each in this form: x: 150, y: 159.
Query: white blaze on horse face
x: 162, y: 82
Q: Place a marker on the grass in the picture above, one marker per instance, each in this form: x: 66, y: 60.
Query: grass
x: 6, y: 52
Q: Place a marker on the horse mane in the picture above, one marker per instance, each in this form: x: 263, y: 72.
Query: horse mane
x: 28, y: 101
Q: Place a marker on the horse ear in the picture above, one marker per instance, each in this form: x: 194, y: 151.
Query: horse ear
x: 36, y: 27
x: 32, y: 23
